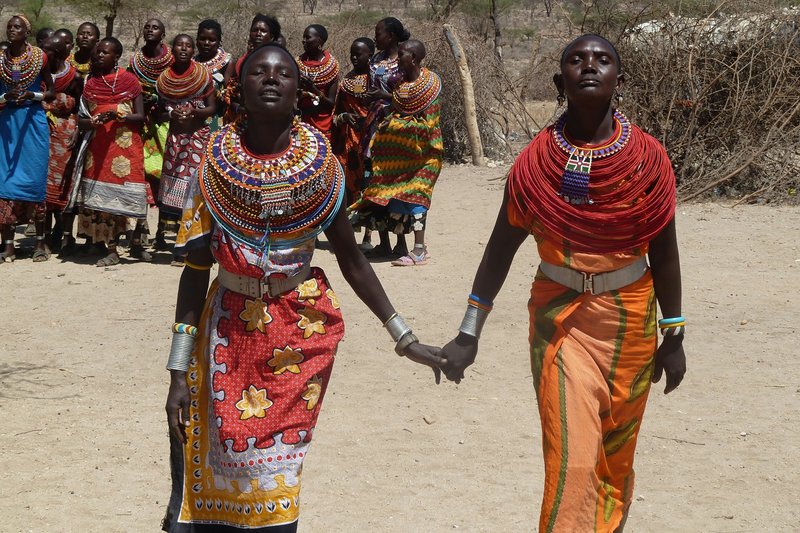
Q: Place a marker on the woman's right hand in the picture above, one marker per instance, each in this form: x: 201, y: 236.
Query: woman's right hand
x: 459, y: 353
x: 178, y: 405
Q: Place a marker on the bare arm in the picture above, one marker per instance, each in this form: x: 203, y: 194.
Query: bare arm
x: 361, y: 277
x: 666, y: 270
x: 191, y: 297
x: 492, y: 272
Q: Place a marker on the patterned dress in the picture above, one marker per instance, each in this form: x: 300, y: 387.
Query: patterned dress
x: 217, y: 66
x: 323, y: 74
x: 25, y: 140
x: 260, y: 365
x: 407, y: 152
x: 112, y: 185
x: 347, y: 138
x: 62, y: 115
x: 184, y: 149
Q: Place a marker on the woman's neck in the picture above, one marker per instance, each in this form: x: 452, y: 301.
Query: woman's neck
x: 590, y: 126
x: 83, y: 55
x: 266, y: 137
x: 57, y: 65
x: 152, y: 49
x: 180, y: 68
x: 17, y: 48
x: 207, y: 57
x: 316, y: 55
x: 412, y: 74
x: 391, y: 52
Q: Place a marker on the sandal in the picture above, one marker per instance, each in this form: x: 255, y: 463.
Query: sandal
x: 109, y: 260
x: 40, y: 255
x: 7, y: 258
x: 366, y: 246
x: 68, y: 249
x: 160, y: 244
x: 411, y: 259
x: 138, y: 252
x: 378, y: 252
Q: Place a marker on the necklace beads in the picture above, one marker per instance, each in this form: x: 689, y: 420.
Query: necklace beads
x: 412, y: 97
x: 21, y: 71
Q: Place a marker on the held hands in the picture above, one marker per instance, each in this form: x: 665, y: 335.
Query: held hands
x: 426, y: 355
x: 670, y: 359
x: 459, y: 354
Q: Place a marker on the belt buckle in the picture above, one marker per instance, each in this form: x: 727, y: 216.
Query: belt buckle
x: 588, y: 282
x: 265, y: 287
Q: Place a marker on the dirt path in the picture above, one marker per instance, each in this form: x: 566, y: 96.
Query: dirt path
x: 83, y: 442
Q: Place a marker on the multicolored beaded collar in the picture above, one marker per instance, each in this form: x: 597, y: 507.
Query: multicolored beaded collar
x: 82, y: 68
x: 23, y: 70
x: 355, y: 85
x: 216, y: 63
x: 63, y: 78
x: 412, y: 97
x: 149, y: 69
x: 193, y: 84
x: 321, y: 73
x: 575, y: 179
x: 275, y: 201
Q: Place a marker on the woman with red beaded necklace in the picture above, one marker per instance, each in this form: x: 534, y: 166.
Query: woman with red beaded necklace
x: 25, y: 135
x: 110, y: 164
x: 319, y: 80
x: 147, y: 64
x: 186, y: 97
x: 211, y: 54
x: 598, y: 194
x: 350, y: 114
x: 407, y: 153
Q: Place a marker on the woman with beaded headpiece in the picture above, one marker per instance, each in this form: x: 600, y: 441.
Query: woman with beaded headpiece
x: 110, y: 185
x: 211, y: 55
x: 598, y: 195
x: 319, y: 78
x: 250, y: 361
x: 147, y: 64
x: 186, y: 96
x: 25, y: 136
x: 350, y: 114
x: 406, y: 154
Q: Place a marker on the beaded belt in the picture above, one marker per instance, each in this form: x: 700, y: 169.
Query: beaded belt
x: 595, y: 283
x: 270, y: 286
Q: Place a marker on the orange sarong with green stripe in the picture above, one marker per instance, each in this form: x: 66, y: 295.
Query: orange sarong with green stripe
x: 592, y: 360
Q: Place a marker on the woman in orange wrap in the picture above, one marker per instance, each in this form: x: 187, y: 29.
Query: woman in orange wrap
x: 598, y: 195
x: 319, y: 80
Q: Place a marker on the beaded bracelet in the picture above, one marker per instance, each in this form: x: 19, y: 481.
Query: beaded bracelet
x: 672, y: 327
x: 475, y: 316
x: 188, y: 329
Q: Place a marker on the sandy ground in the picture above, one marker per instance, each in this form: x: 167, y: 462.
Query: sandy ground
x: 83, y: 443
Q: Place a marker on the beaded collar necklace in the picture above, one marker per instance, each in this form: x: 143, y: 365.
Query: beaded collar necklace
x: 412, y: 97
x: 216, y: 63
x: 21, y: 71
x: 575, y: 178
x: 355, y: 85
x: 82, y: 68
x: 190, y: 85
x: 321, y: 73
x: 276, y: 201
x: 63, y: 78
x: 148, y: 69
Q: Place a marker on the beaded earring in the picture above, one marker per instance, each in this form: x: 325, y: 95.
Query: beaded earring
x: 560, y: 99
x: 618, y: 96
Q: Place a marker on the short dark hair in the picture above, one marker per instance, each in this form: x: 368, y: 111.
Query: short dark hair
x: 271, y: 22
x: 593, y: 36
x: 396, y: 28
x: 44, y: 33
x: 366, y: 41
x: 321, y: 31
x: 91, y: 25
x: 114, y: 42
x: 180, y: 35
x: 66, y: 32
x: 210, y: 24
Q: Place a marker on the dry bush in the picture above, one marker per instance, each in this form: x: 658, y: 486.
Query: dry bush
x: 722, y: 95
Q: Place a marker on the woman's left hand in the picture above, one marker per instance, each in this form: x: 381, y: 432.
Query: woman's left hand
x: 670, y: 359
x: 426, y: 355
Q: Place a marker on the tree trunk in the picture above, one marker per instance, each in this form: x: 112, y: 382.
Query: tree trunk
x: 498, y: 43
x: 468, y: 94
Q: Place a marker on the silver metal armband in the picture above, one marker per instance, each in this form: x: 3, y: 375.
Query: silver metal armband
x: 473, y: 322
x: 396, y: 327
x: 180, y: 353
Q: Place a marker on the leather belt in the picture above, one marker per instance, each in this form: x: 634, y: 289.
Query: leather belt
x: 595, y: 283
x: 270, y: 286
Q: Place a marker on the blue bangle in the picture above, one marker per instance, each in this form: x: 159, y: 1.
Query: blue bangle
x: 668, y: 321
x: 481, y: 300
